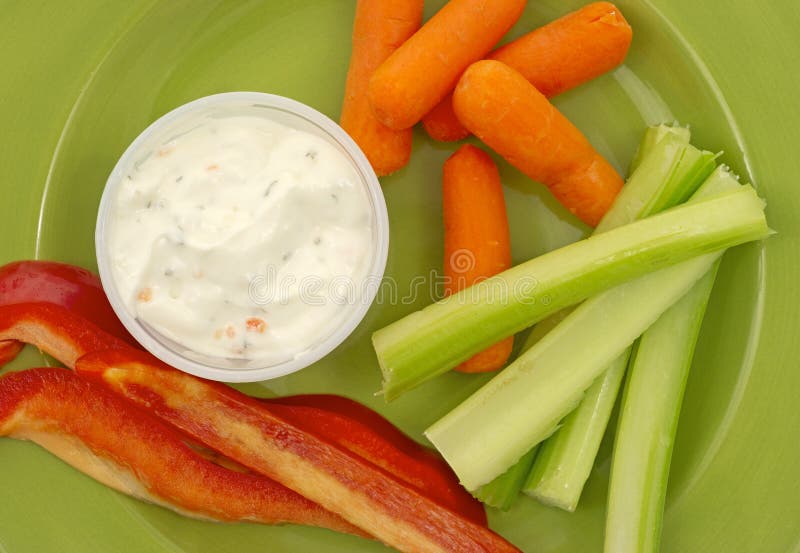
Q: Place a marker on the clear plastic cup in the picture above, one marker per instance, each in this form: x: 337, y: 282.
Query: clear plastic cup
x: 292, y: 114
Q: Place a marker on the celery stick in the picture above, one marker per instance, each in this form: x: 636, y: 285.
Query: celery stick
x: 543, y: 327
x: 648, y: 419
x: 566, y: 458
x: 654, y: 135
x: 503, y: 490
x: 565, y: 462
x: 647, y: 183
x: 695, y: 166
x: 668, y: 174
x: 522, y: 405
x: 661, y: 152
x: 436, y: 339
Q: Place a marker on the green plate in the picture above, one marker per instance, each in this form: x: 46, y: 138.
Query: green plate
x: 81, y: 79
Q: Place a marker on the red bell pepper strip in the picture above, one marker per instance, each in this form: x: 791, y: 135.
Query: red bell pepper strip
x: 366, y: 433
x: 56, y: 330
x: 120, y: 445
x: 9, y: 349
x: 240, y: 428
x: 344, y: 421
x: 66, y: 285
x: 340, y: 421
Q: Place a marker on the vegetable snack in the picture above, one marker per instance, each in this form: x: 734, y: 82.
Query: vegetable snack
x: 554, y: 58
x: 506, y: 112
x: 426, y: 67
x: 476, y: 237
x: 380, y: 27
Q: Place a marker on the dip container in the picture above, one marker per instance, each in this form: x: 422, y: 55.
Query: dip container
x: 292, y: 114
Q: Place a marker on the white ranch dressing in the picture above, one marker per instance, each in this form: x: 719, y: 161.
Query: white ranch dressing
x: 241, y: 238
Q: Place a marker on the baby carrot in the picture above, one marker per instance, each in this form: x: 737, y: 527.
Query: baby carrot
x: 555, y: 58
x: 422, y: 71
x: 476, y: 238
x: 380, y: 26
x: 442, y: 124
x: 500, y: 107
x: 571, y: 50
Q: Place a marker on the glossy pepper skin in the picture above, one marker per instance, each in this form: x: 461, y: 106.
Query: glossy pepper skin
x: 337, y: 420
x: 342, y: 420
x: 9, y: 349
x: 66, y: 285
x: 122, y: 446
x: 239, y: 427
x: 55, y: 330
x: 81, y: 292
x: 366, y: 433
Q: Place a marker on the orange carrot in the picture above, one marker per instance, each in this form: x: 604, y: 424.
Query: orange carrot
x: 555, y: 58
x: 571, y: 50
x: 422, y: 71
x: 500, y: 107
x: 442, y: 124
x: 477, y: 244
x: 380, y: 26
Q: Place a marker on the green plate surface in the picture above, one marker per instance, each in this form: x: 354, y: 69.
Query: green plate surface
x: 81, y: 79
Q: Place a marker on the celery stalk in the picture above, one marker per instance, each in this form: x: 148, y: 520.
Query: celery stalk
x: 543, y: 327
x: 570, y: 452
x: 523, y: 405
x: 503, y: 490
x: 669, y: 172
x: 654, y: 135
x: 655, y: 174
x: 566, y: 458
x: 648, y: 419
x: 436, y: 339
x: 695, y: 166
x: 565, y: 462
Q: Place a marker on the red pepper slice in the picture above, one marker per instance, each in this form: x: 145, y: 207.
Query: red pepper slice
x: 66, y: 285
x: 55, y: 330
x: 341, y: 421
x: 9, y: 349
x: 363, y: 431
x: 122, y: 446
x: 241, y: 428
